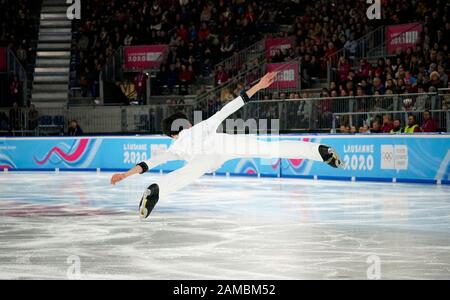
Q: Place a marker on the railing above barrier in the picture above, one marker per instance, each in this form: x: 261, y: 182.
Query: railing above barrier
x: 294, y: 115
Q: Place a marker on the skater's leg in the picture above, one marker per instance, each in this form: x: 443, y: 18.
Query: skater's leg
x: 242, y: 146
x: 184, y: 176
x: 300, y: 150
x: 172, y: 182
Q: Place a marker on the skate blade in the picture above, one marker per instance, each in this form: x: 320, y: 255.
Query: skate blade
x: 337, y: 160
x: 339, y: 163
x: 143, y: 212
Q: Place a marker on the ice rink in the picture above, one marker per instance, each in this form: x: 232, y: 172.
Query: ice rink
x: 71, y: 225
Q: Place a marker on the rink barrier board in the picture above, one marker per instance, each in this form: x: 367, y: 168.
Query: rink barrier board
x: 384, y: 158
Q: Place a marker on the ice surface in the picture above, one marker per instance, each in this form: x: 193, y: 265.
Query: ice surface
x: 221, y: 228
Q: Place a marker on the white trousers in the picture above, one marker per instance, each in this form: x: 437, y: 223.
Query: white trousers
x: 227, y: 147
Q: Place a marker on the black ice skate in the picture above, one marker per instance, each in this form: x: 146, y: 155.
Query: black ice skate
x: 330, y: 156
x: 148, y: 201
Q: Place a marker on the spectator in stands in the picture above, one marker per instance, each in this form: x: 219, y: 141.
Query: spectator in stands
x: 182, y: 33
x: 401, y: 86
x: 378, y: 86
x: 330, y: 49
x: 186, y: 78
x: 204, y: 32
x: 344, y: 69
x: 344, y: 129
x: 364, y: 129
x: 390, y: 86
x: 387, y: 124
x: 360, y: 91
x: 379, y: 70
x: 15, y: 117
x: 227, y: 47
x: 435, y: 80
x: 412, y: 126
x: 364, y: 69
x: 353, y: 129
x: 140, y: 84
x: 351, y: 46
x: 428, y: 125
x: 32, y: 117
x: 221, y: 76
x: 74, y: 129
x: 226, y: 95
x: 376, y: 127
x: 397, y: 128
x: 366, y: 86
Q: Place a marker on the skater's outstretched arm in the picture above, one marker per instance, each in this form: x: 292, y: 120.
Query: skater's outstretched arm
x: 145, y: 165
x: 240, y: 101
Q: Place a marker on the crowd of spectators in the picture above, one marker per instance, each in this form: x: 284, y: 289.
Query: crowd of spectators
x: 18, y: 20
x: 423, y: 68
x: 202, y: 33
x: 388, y: 124
x: 199, y: 34
x: 419, y: 69
x: 321, y: 28
x: 18, y: 30
x: 19, y: 118
x: 318, y: 29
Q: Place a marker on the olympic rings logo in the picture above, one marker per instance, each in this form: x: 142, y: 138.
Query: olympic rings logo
x: 387, y: 155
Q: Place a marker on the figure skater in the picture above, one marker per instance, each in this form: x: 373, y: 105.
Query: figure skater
x: 205, y: 150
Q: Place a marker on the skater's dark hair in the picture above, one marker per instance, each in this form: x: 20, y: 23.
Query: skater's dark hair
x: 174, y: 124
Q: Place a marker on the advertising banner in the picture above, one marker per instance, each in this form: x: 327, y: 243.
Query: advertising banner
x: 144, y: 57
x: 287, y: 75
x: 402, y: 36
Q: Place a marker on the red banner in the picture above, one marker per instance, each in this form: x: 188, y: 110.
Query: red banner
x: 402, y: 36
x: 144, y: 57
x: 3, y: 64
x: 287, y: 75
x: 277, y: 43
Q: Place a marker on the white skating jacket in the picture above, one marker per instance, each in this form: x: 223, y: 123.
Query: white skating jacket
x: 199, y: 140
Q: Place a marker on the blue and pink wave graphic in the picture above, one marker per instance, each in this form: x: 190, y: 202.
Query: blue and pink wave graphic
x: 72, y: 155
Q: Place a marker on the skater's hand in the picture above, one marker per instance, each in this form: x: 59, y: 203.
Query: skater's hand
x: 267, y: 80
x: 117, y: 177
